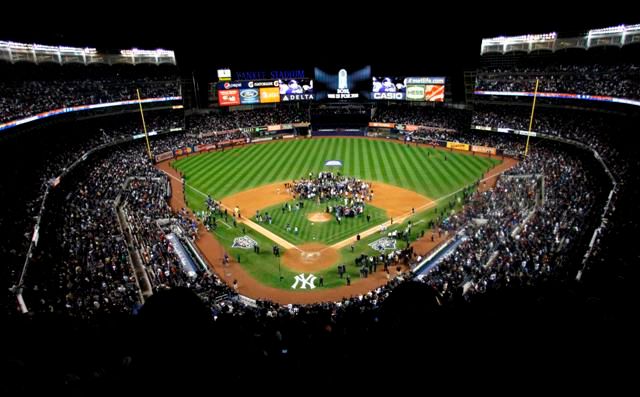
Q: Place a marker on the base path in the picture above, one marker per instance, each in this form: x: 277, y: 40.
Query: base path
x: 273, y: 194
x: 213, y: 252
x: 396, y: 200
x: 269, y: 234
x: 249, y: 201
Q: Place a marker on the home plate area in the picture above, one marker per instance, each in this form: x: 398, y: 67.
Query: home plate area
x: 310, y: 257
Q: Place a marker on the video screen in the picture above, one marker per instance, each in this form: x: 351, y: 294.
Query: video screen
x: 342, y: 83
x: 296, y: 90
x: 388, y: 88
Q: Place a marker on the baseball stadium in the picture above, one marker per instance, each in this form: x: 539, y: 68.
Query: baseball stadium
x: 183, y: 211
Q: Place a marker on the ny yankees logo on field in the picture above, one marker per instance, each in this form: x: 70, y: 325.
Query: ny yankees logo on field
x: 309, y: 280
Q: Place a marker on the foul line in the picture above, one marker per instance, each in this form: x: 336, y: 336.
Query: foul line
x: 286, y: 244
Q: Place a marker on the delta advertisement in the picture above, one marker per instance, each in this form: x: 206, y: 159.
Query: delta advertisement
x: 296, y: 90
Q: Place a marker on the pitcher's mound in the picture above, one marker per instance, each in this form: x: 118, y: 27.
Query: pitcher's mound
x: 319, y: 217
x: 310, y: 257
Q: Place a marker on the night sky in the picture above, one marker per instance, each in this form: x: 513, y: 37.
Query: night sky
x: 403, y: 40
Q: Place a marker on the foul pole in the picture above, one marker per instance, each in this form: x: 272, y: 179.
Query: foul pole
x: 533, y: 108
x: 144, y: 125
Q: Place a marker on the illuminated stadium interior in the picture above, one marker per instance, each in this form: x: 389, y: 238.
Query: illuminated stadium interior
x: 330, y: 205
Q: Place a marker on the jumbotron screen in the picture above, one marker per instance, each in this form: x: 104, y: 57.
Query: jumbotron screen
x: 419, y: 89
x: 389, y: 88
x: 296, y: 90
x: 342, y: 83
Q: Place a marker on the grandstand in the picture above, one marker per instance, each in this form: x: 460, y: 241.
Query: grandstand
x: 175, y: 230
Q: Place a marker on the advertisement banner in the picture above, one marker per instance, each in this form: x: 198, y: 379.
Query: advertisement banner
x: 382, y: 125
x: 164, y: 156
x: 229, y: 97
x: 388, y: 88
x: 483, y: 149
x: 269, y: 95
x: 249, y: 96
x: 296, y: 90
x: 205, y: 148
x: 276, y: 127
x: 415, y: 93
x: 424, y: 80
x: 230, y: 85
x: 458, y: 145
x: 389, y: 96
x: 233, y: 142
x: 183, y: 151
x: 434, y: 93
x: 249, y: 130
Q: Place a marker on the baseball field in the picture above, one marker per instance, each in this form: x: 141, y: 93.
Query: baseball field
x: 411, y: 184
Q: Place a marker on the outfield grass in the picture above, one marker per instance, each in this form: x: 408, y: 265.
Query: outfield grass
x: 421, y: 169
x: 319, y: 232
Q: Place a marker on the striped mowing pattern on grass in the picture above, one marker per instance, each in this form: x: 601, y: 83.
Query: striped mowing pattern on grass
x: 421, y: 169
x: 318, y: 232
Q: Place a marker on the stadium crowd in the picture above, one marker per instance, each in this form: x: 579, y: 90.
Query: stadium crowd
x: 619, y: 80
x: 82, y: 265
x: 26, y: 90
x: 439, y: 117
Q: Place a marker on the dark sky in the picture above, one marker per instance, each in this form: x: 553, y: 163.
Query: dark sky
x: 411, y: 38
x: 423, y: 36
